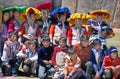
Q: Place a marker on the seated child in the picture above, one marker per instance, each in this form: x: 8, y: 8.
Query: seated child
x: 9, y: 59
x: 72, y: 68
x: 58, y: 58
x: 30, y: 61
x: 94, y: 66
x: 111, y: 64
x: 44, y: 59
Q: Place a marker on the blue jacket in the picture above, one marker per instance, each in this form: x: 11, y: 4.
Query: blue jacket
x: 44, y: 54
x: 93, y: 60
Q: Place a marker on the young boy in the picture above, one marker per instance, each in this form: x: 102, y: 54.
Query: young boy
x: 94, y: 67
x: 83, y: 50
x: 58, y: 58
x: 111, y: 64
x: 72, y: 66
x: 44, y: 59
x: 30, y: 62
x: 9, y: 59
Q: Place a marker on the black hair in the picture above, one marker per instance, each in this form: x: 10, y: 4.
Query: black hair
x: 84, y: 38
x: 60, y: 14
x: 3, y: 16
x: 46, y: 38
x: 96, y: 41
x: 63, y: 39
x: 100, y: 15
x: 71, y: 51
x: 11, y: 33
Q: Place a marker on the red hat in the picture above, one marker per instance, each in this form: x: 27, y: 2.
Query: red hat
x: 45, y: 5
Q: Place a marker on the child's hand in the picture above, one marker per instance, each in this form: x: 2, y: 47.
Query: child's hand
x: 117, y: 67
x: 113, y: 68
x: 26, y: 60
x: 50, y: 62
x: 46, y: 62
x: 97, y: 76
x: 66, y: 77
x: 56, y: 69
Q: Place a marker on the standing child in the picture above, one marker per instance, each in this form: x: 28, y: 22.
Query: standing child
x: 72, y: 68
x: 44, y: 59
x: 94, y: 67
x: 58, y: 58
x: 111, y: 64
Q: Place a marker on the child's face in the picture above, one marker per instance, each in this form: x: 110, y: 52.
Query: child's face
x: 99, y: 18
x: 84, y: 43
x: 16, y: 14
x: 32, y: 47
x: 13, y: 38
x: 73, y: 57
x: 114, y: 55
x: 62, y: 43
x: 62, y: 18
x: 46, y: 43
x: 6, y: 16
x: 97, y: 47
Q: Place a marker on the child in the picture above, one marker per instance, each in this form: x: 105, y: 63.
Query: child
x: 83, y: 50
x: 9, y: 60
x: 58, y: 58
x: 44, y: 59
x: 30, y: 62
x: 72, y: 64
x: 111, y: 64
x: 94, y: 67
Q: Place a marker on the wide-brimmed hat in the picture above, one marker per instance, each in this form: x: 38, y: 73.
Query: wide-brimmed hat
x: 29, y: 10
x: 56, y: 11
x: 82, y: 16
x: 105, y: 13
x: 46, y: 5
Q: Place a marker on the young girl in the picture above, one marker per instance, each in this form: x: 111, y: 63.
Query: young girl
x: 58, y: 58
x: 72, y: 68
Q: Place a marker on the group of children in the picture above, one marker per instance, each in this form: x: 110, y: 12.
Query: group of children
x: 57, y: 47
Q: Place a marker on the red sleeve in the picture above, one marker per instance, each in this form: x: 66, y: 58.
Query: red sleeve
x: 22, y: 29
x: 69, y: 35
x: 54, y: 56
x: 107, y: 63
x: 38, y: 32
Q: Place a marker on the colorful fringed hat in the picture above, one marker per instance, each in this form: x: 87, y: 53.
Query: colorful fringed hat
x: 64, y: 10
x: 105, y: 13
x: 28, y: 10
x: 46, y: 5
x: 82, y: 16
x: 19, y: 9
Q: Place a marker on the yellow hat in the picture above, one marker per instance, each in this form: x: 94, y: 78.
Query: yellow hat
x: 82, y: 16
x: 28, y: 10
x: 106, y: 14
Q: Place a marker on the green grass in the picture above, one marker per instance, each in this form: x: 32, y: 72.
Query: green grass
x: 115, y: 41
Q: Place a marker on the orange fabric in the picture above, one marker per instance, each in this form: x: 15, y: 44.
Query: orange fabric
x: 52, y: 27
x: 89, y: 31
x: 83, y: 53
x: 71, y: 65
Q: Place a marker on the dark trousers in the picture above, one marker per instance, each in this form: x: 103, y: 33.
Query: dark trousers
x: 14, y: 65
x: 76, y: 75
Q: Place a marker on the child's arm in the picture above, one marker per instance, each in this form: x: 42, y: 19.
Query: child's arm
x: 76, y: 66
x: 34, y: 58
x: 54, y: 57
